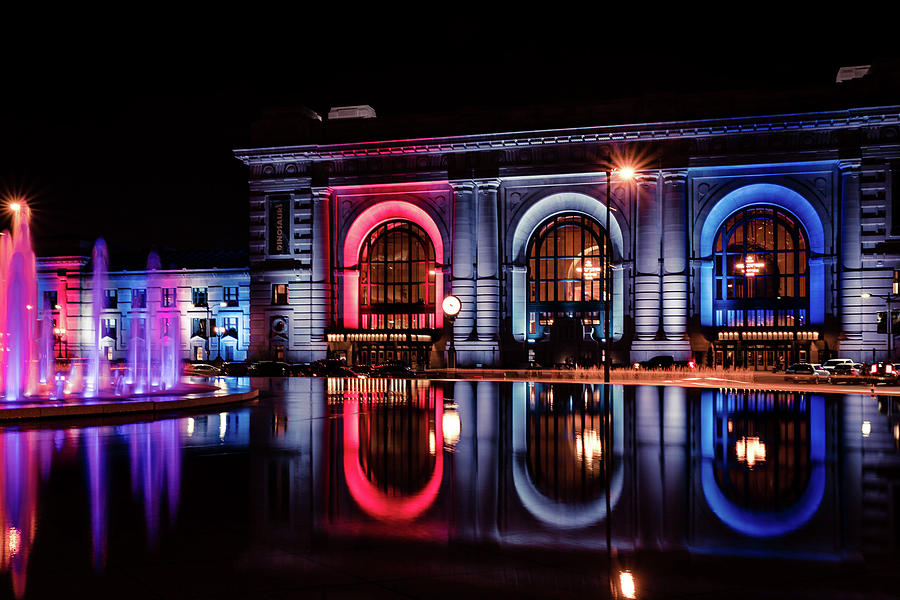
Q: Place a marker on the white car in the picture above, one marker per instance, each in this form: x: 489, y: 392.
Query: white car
x: 202, y: 370
x: 822, y: 374
x: 831, y: 363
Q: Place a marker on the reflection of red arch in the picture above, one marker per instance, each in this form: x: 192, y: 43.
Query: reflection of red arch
x: 372, y: 500
x: 356, y: 235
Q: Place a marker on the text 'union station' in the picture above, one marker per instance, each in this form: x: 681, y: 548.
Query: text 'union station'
x: 736, y: 241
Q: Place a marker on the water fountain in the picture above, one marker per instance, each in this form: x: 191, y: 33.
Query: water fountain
x: 28, y: 369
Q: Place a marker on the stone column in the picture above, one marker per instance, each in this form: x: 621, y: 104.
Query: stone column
x: 646, y: 281
x: 851, y: 274
x: 675, y: 289
x: 487, y: 263
x: 463, y: 268
x: 320, y: 267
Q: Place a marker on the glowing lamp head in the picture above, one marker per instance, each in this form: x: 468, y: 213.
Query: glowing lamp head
x: 626, y: 172
x: 15, y: 206
x: 451, y: 306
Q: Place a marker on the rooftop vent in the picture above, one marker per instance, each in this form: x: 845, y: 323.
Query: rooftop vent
x: 363, y: 111
x: 848, y: 73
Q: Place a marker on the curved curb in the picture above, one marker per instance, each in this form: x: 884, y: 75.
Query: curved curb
x: 190, y: 401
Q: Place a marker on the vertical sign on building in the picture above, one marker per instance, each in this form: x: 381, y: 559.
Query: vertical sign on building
x: 279, y: 225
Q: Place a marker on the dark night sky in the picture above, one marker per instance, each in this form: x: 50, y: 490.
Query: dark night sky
x: 127, y: 133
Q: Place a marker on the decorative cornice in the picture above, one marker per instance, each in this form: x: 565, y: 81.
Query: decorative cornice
x: 646, y: 132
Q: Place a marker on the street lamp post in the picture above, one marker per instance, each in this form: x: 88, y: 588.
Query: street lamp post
x: 206, y: 330
x: 59, y: 332
x: 624, y: 173
x: 220, y: 330
x: 451, y: 306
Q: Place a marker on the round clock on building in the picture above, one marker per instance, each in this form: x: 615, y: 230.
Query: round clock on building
x: 451, y: 306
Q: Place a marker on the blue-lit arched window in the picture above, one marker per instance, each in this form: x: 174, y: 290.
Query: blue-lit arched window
x: 762, y: 269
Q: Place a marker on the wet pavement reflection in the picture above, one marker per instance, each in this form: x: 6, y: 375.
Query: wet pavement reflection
x: 345, y: 488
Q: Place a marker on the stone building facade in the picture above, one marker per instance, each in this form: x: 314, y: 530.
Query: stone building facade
x: 738, y: 241
x: 138, y: 302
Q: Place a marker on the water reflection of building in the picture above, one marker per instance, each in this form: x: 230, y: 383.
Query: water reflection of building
x: 557, y: 447
x: 687, y: 468
x: 392, y: 445
x: 780, y: 493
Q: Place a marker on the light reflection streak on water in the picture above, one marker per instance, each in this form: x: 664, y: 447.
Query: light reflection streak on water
x: 154, y: 451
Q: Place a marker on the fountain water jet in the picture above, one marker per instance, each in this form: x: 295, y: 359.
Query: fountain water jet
x: 27, y: 363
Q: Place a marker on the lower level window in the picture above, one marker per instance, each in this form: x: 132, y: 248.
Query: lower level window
x: 791, y: 317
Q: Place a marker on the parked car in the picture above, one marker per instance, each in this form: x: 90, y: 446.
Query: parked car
x: 847, y: 373
x: 333, y: 367
x: 801, y: 373
x: 883, y: 372
x: 395, y: 369
x: 301, y: 370
x: 270, y: 368
x: 236, y: 369
x: 665, y: 363
x: 201, y: 370
x: 821, y: 373
x: 831, y: 363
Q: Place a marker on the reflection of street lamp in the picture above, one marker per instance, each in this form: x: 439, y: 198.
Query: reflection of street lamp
x: 451, y: 307
x: 889, y: 298
x: 450, y: 424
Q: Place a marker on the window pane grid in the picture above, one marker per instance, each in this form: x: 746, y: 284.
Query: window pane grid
x: 397, y: 278
x: 567, y: 261
x: 764, y: 257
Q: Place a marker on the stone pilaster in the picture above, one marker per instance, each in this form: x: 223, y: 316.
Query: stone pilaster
x: 320, y: 266
x: 463, y: 268
x: 487, y: 263
x: 674, y: 255
x: 851, y: 274
x: 647, y: 259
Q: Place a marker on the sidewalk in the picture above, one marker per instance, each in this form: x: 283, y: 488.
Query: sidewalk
x: 701, y: 377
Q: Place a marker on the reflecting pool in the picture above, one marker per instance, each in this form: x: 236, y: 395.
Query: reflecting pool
x: 394, y: 488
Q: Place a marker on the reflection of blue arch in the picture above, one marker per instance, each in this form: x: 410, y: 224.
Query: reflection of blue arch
x: 762, y: 194
x: 546, y: 509
x: 540, y: 211
x: 758, y: 524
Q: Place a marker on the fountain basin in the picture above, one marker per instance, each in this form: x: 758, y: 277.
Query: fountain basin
x: 186, y: 395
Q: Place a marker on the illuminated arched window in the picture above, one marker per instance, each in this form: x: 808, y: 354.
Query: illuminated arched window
x: 396, y: 279
x: 762, y: 269
x: 566, y: 267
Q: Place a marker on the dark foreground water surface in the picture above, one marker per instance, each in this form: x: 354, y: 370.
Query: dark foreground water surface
x: 416, y: 489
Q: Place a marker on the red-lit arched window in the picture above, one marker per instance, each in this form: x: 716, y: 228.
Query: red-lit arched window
x: 397, y: 278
